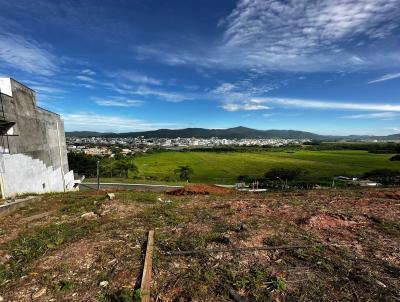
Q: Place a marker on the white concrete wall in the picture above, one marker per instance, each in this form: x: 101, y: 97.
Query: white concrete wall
x: 22, y: 174
x: 5, y: 86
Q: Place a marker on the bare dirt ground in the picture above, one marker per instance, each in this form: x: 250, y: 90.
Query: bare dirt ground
x: 345, y: 246
x: 200, y: 189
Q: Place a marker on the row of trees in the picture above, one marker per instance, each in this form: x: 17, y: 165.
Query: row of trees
x: 300, y: 177
x: 119, y: 166
x: 110, y: 167
x: 383, y: 176
x: 382, y: 148
x: 279, y: 177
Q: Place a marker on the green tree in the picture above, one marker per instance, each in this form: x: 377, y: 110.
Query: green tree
x: 383, y: 176
x: 184, y: 172
x: 123, y: 166
x: 287, y: 174
x: 395, y: 157
x: 284, y: 175
x: 83, y: 164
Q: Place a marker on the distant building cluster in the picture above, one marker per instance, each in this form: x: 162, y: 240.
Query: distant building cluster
x: 101, y: 146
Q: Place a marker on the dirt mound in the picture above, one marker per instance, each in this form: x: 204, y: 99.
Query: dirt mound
x: 324, y: 221
x: 200, y: 189
x: 385, y: 195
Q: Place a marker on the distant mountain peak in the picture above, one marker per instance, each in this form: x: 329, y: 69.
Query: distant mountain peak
x: 239, y: 132
x: 235, y: 132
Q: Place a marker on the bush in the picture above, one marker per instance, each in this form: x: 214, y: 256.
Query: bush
x: 184, y: 172
x: 395, y: 157
x: 83, y: 164
x: 288, y: 174
x: 383, y: 176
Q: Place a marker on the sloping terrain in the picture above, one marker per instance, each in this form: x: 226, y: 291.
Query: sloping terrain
x: 331, y: 245
x: 225, y: 167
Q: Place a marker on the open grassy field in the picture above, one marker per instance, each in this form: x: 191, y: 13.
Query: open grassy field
x: 344, y: 246
x: 212, y: 167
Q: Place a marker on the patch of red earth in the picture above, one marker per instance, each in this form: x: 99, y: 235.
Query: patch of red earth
x: 324, y: 221
x: 363, y: 202
x: 200, y: 189
x: 385, y: 195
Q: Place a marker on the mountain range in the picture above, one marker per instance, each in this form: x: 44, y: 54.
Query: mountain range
x: 230, y: 133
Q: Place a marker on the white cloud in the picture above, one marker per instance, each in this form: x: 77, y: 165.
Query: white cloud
x: 27, y: 55
x: 243, y: 89
x: 118, y: 103
x: 88, y: 72
x: 167, y: 96
x: 85, y: 78
x: 163, y: 53
x: 224, y: 88
x: 47, y: 89
x: 85, y: 85
x: 376, y: 115
x: 304, y: 35
x: 136, y: 77
x: 249, y: 106
x: 385, y: 77
x: 294, y: 35
x: 313, y: 104
x: 99, y: 122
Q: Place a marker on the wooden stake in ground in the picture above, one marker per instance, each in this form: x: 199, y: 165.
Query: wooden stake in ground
x: 148, y: 261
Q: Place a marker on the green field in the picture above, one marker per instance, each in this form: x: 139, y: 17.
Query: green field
x: 213, y: 167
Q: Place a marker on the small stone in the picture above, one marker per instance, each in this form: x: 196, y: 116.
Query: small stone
x: 110, y: 196
x: 241, y: 227
x: 1, y: 299
x: 89, y: 215
x: 224, y: 240
x: 103, y: 283
x: 39, y: 293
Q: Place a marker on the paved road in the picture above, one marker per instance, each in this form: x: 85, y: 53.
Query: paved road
x: 122, y: 186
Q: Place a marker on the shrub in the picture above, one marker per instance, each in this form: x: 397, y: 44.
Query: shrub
x: 395, y: 157
x: 284, y: 174
x: 384, y: 176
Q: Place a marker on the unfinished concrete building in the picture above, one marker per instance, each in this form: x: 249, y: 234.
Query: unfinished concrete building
x: 33, y: 154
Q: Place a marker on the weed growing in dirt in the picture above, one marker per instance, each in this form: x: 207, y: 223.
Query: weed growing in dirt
x: 390, y: 227
x: 275, y: 240
x: 65, y: 285
x: 141, y: 197
x: 74, y: 204
x: 32, y: 244
x: 162, y: 215
x: 277, y: 283
x: 118, y: 296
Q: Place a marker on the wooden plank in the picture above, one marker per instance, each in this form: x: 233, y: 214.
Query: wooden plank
x: 148, y: 262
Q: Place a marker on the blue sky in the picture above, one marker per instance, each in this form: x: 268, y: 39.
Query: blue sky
x: 326, y: 66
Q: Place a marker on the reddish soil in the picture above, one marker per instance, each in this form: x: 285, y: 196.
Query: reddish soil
x: 324, y: 221
x: 351, y: 242
x: 385, y: 195
x: 200, y: 189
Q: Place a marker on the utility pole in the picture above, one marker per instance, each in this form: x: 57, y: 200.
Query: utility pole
x: 98, y: 175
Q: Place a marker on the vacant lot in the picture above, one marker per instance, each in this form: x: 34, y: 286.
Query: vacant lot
x: 347, y: 246
x: 212, y: 167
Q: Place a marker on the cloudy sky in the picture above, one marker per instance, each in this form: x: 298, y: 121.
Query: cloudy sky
x: 327, y: 66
